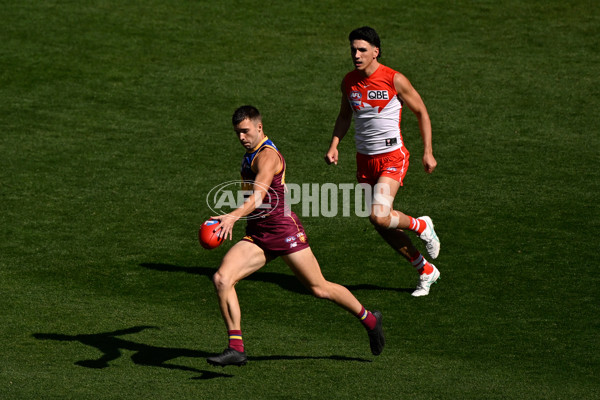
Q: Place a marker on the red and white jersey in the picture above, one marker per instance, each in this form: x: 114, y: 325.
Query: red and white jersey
x: 377, y: 110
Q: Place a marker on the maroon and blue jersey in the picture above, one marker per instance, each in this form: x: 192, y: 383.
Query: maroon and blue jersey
x: 274, y: 201
x: 272, y: 226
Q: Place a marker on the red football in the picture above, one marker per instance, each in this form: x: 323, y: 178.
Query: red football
x: 209, y: 239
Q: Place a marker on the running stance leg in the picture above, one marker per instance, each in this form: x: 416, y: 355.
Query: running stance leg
x: 306, y: 267
x: 390, y: 223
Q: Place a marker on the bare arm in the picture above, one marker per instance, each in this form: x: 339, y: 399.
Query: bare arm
x: 266, y: 164
x: 342, y: 124
x: 413, y: 101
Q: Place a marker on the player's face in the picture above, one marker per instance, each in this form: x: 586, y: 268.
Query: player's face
x: 249, y: 133
x: 363, y: 54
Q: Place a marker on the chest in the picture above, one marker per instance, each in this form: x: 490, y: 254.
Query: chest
x: 370, y: 93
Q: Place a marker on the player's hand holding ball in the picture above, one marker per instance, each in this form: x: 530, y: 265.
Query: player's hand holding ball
x: 208, y: 235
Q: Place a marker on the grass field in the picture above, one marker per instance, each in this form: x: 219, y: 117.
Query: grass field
x: 115, y: 123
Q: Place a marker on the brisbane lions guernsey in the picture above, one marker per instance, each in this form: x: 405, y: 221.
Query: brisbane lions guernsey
x: 377, y: 110
x: 273, y: 202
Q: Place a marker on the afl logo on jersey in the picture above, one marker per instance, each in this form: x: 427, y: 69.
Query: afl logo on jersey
x: 378, y: 95
x: 355, y: 98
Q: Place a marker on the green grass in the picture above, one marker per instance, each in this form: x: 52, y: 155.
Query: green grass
x: 115, y: 121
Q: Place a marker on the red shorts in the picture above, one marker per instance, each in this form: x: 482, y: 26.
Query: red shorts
x: 369, y: 168
x: 277, y: 235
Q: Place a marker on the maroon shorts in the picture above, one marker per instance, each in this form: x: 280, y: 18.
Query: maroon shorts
x: 277, y: 235
x: 369, y: 168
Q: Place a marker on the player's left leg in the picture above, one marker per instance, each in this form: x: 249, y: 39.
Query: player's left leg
x: 306, y: 268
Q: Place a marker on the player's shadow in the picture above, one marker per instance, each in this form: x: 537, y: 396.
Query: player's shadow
x: 367, y: 286
x: 286, y: 282
x: 111, y: 345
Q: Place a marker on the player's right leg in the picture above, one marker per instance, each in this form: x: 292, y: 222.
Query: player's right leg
x: 241, y: 260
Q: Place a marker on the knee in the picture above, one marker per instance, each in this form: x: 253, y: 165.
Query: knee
x: 378, y: 221
x: 221, y: 281
x: 320, y: 292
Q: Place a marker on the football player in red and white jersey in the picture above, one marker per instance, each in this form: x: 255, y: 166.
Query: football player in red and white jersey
x: 374, y: 95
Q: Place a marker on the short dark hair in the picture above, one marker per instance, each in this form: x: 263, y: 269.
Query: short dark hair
x: 244, y: 112
x: 367, y: 34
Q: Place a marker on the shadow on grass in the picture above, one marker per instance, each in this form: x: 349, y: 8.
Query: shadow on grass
x: 111, y: 346
x: 286, y: 282
x: 366, y: 286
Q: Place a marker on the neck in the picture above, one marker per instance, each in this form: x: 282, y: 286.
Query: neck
x: 370, y: 70
x: 262, y: 140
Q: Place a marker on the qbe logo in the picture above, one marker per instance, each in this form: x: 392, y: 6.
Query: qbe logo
x: 378, y: 95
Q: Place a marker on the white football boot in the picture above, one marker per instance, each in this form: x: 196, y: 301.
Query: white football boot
x: 425, y: 282
x: 432, y: 242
